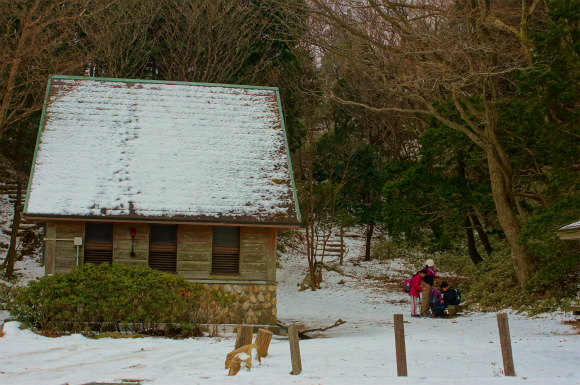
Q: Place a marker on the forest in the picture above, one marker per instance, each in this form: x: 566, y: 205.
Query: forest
x: 448, y: 128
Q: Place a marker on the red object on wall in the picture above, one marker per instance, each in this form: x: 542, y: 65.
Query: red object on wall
x: 133, y: 231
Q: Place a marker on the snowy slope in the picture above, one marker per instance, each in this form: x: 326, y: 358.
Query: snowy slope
x: 463, y: 351
x: 28, y: 268
x: 6, y: 213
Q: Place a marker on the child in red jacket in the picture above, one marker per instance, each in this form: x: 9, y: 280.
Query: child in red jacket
x: 415, y: 292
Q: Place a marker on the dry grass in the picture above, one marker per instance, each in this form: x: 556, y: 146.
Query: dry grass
x: 575, y: 324
x: 116, y: 335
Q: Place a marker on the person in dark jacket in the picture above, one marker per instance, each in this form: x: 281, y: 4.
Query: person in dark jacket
x: 449, y: 298
x: 449, y: 295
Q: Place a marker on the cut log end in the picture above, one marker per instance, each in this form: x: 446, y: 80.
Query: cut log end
x: 263, y: 342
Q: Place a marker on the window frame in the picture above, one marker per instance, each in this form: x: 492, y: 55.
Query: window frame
x: 98, y: 251
x: 162, y: 256
x: 225, y: 255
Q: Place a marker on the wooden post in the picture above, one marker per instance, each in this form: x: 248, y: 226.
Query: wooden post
x: 341, y: 244
x: 506, y: 344
x: 400, y: 346
x: 263, y: 341
x: 294, y: 350
x: 245, y: 334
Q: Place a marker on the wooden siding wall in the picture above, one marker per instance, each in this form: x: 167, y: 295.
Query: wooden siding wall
x: 122, y: 243
x: 194, y: 245
x: 60, y: 256
x: 66, y: 250
x: 194, y: 251
x: 254, y: 253
x: 272, y: 256
x: 50, y: 248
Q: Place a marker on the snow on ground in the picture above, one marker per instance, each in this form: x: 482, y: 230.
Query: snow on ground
x: 6, y: 213
x: 28, y: 268
x: 464, y: 350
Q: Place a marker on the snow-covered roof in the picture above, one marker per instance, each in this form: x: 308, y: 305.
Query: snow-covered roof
x: 571, y: 226
x: 133, y: 149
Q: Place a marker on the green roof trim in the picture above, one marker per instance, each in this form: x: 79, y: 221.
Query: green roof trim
x: 562, y: 229
x: 161, y: 82
x: 288, y: 155
x: 40, y: 127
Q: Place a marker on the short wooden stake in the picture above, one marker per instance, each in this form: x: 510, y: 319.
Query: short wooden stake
x: 263, y: 341
x: 294, y: 350
x: 244, y: 337
x: 400, y: 346
x: 506, y: 344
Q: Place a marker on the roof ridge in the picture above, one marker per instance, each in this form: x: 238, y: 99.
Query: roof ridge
x: 150, y: 81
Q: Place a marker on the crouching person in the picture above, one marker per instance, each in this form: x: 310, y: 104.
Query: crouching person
x: 435, y: 300
x: 450, y: 297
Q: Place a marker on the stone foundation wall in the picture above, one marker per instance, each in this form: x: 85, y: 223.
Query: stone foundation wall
x: 252, y: 304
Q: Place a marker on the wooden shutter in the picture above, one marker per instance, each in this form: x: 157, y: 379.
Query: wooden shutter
x: 98, y: 252
x: 163, y: 248
x: 226, y: 250
x: 98, y: 242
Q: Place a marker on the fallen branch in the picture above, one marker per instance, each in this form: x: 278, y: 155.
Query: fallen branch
x: 302, y: 334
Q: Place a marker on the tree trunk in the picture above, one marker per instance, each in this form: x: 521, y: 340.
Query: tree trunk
x: 482, y: 235
x: 11, y: 256
x: 310, y: 230
x: 12, y: 75
x: 473, y: 253
x: 370, y: 229
x: 501, y: 174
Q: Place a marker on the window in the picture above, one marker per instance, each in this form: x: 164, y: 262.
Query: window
x: 226, y: 250
x: 98, y: 242
x: 163, y: 248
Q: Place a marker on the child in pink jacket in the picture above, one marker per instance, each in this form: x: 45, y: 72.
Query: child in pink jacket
x: 415, y: 292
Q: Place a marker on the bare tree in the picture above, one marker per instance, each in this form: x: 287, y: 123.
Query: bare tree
x: 118, y: 43
x: 12, y: 253
x: 429, y: 51
x: 219, y: 41
x: 319, y: 198
x: 37, y: 38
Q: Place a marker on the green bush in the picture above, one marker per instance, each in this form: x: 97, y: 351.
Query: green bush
x: 382, y: 249
x: 100, y: 297
x: 492, y: 285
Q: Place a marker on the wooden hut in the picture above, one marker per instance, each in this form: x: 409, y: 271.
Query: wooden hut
x: 192, y: 179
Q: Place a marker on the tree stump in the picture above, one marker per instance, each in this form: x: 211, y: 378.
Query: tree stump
x: 263, y: 342
x: 245, y: 334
